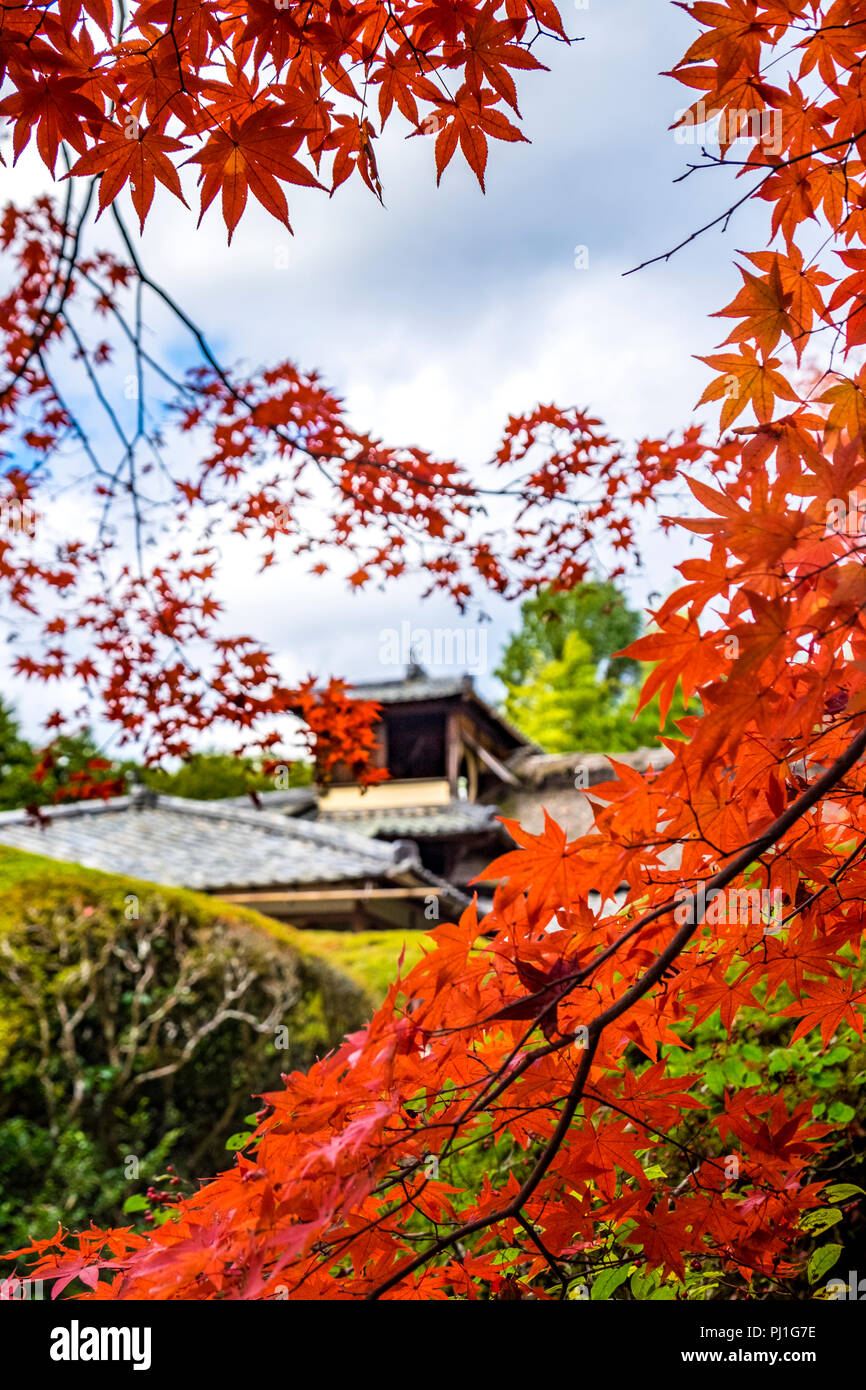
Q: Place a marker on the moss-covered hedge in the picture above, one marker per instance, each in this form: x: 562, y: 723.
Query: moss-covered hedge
x: 135, y: 1024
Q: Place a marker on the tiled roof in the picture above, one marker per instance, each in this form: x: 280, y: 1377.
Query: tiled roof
x: 207, y: 844
x: 536, y: 770
x: 294, y: 801
x: 413, y: 688
x: 427, y: 822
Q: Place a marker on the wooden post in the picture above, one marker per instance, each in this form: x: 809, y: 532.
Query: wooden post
x: 453, y: 750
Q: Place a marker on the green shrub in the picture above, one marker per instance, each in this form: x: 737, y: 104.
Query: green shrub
x: 135, y: 1024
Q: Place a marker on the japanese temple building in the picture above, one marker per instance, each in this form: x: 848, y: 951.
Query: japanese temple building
x: 401, y: 853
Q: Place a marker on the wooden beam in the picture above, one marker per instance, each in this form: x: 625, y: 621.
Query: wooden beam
x: 332, y: 895
x: 502, y: 772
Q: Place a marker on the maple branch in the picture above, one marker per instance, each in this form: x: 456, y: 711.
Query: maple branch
x: 551, y: 1260
x: 753, y: 850
x: 642, y: 986
x: 506, y: 1074
x: 71, y: 257
x: 512, y: 1208
x: 746, y: 165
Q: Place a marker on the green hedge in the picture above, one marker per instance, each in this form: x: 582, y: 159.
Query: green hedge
x: 135, y: 1024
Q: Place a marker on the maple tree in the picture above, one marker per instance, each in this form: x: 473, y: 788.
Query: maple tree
x: 259, y: 96
x: 555, y: 1021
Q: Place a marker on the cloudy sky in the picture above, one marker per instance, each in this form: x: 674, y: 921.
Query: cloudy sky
x: 442, y: 312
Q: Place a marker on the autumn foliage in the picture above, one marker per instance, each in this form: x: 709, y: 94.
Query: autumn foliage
x: 553, y: 1020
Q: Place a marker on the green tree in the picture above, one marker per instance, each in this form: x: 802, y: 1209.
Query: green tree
x: 596, y: 609
x: 17, y: 761
x: 210, y: 775
x: 73, y: 764
x: 565, y: 689
x: 31, y: 776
